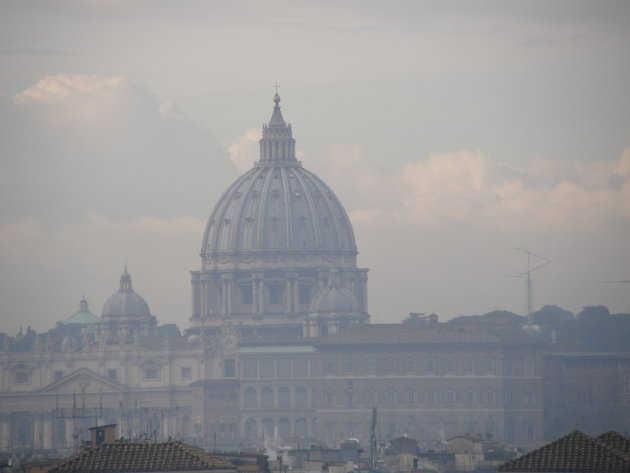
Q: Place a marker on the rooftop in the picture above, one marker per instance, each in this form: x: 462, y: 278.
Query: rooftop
x: 143, y: 457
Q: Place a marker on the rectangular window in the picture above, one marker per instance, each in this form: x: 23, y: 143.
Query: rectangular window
x: 267, y: 369
x: 247, y: 294
x: 250, y: 368
x: 391, y: 367
x: 412, y: 398
x: 529, y: 367
x: 450, y: 398
x: 469, y: 366
x: 392, y: 398
x: 371, y: 398
x: 350, y: 400
x: 330, y: 366
x: 304, y: 294
x: 530, y: 399
x: 430, y: 366
x: 329, y: 399
x: 21, y: 378
x: 410, y: 365
x: 284, y: 368
x: 508, y: 367
x: 111, y: 374
x: 58, y: 375
x: 489, y: 365
x: 430, y: 398
x: 490, y: 398
x: 509, y: 398
x: 186, y: 372
x: 150, y: 373
x: 530, y: 432
x: 371, y: 366
x: 229, y: 368
x: 300, y: 368
x: 275, y: 294
x: 470, y: 398
x: 349, y: 367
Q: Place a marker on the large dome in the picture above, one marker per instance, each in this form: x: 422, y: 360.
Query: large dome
x: 278, y: 208
x: 269, y: 246
x: 125, y: 303
x: 278, y: 205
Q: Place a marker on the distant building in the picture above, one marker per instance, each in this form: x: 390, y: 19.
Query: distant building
x: 589, y: 391
x: 279, y: 351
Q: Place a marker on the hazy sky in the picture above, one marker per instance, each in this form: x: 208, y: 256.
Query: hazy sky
x: 453, y: 132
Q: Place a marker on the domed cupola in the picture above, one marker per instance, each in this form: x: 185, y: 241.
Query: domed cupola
x: 126, y: 302
x: 126, y: 315
x: 332, y: 309
x: 334, y: 300
x: 83, y: 316
x: 271, y: 240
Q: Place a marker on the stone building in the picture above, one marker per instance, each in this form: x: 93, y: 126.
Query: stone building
x: 279, y: 350
x: 589, y: 391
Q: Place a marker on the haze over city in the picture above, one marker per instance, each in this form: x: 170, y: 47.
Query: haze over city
x: 452, y: 133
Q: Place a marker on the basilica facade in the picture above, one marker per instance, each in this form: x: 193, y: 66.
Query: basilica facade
x: 279, y: 349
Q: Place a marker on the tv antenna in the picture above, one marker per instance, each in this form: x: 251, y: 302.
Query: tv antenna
x: 534, y: 263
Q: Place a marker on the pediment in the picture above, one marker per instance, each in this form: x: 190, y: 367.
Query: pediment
x: 84, y: 380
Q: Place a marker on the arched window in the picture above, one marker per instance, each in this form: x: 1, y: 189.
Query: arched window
x: 250, y: 397
x: 267, y: 397
x: 300, y: 397
x: 250, y: 428
x: 301, y: 427
x: 268, y: 428
x: 284, y: 397
x: 284, y: 428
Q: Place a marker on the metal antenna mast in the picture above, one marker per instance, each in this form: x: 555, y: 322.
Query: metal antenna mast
x: 527, y: 275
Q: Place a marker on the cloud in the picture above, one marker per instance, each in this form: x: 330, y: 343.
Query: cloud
x: 467, y: 187
x: 75, y: 144
x: 245, y: 150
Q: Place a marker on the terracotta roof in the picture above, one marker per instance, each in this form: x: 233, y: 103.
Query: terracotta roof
x: 142, y: 457
x: 615, y: 441
x: 576, y: 452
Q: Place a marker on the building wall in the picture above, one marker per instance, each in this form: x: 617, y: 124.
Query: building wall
x: 587, y: 391
x: 224, y: 392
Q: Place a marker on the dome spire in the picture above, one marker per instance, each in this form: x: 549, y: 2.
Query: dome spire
x: 277, y: 145
x: 125, y: 281
x: 83, y: 305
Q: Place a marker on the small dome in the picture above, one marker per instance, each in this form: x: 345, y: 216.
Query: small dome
x: 83, y: 316
x: 125, y: 303
x: 334, y: 300
x: 194, y: 339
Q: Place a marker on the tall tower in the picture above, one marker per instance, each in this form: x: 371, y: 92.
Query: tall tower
x: 270, y: 245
